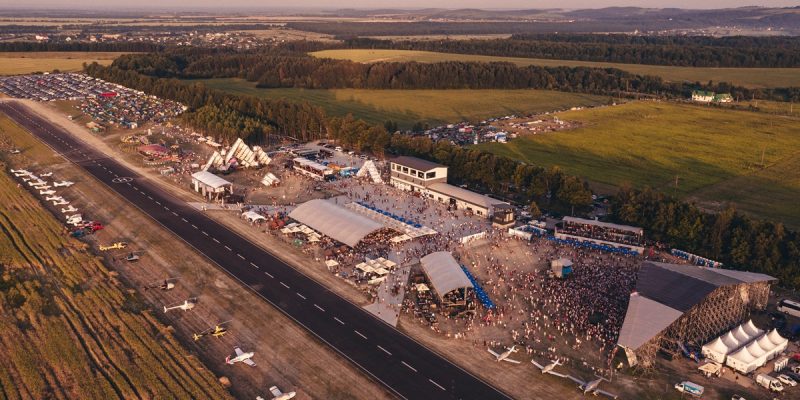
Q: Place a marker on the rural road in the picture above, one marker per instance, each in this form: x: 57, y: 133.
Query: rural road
x: 402, y: 365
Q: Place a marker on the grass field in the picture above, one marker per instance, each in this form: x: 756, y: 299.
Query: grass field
x: 69, y: 330
x: 409, y: 106
x: 716, y: 154
x: 16, y: 63
x: 749, y: 77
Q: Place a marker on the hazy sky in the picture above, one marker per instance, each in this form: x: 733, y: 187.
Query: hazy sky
x: 332, y: 4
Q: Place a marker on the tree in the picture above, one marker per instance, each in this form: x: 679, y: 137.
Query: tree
x: 534, y: 210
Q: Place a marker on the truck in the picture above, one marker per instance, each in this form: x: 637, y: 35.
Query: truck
x: 690, y: 388
x: 769, y: 382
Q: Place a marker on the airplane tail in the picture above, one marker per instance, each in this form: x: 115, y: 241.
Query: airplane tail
x: 228, y: 360
x: 165, y: 309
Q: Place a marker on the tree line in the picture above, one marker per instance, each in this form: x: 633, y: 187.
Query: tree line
x: 738, y: 241
x: 675, y: 51
x: 281, y: 68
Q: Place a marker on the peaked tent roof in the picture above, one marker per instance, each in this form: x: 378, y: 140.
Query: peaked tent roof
x: 207, y: 178
x: 334, y: 221
x: 644, y: 319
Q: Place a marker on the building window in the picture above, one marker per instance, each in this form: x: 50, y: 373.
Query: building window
x: 430, y: 175
x: 405, y: 170
x: 420, y: 174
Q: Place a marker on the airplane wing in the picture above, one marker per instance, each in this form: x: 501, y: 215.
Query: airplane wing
x: 540, y: 366
x: 511, y: 361
x: 275, y: 391
x: 249, y: 362
x: 603, y: 392
x: 560, y: 375
x: 493, y: 353
x: 238, y: 351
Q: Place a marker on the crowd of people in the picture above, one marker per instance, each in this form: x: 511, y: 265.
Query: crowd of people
x: 602, y: 233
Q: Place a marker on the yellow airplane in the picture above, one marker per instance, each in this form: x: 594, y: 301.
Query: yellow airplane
x: 218, y: 332
x: 117, y: 245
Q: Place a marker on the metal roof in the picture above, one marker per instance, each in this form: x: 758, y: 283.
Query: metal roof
x: 465, y: 195
x: 644, y: 319
x: 209, y: 179
x: 444, y: 272
x: 416, y: 163
x: 334, y: 221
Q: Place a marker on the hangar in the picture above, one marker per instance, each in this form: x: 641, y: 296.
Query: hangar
x: 336, y: 222
x: 675, y: 305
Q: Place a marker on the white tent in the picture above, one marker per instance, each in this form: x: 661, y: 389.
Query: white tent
x: 253, y: 216
x: 369, y: 169
x: 731, y: 341
x: 716, y: 350
x: 742, y: 361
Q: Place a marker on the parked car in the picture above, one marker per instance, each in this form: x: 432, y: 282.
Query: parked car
x: 785, y: 379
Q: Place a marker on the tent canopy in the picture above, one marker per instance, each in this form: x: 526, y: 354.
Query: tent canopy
x: 334, y: 221
x: 444, y: 272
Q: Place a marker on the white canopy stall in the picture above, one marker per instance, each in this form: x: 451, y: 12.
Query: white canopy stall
x: 758, y: 352
x: 731, y: 341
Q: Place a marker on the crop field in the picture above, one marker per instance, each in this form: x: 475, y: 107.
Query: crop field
x: 69, y: 329
x: 715, y: 154
x: 407, y: 107
x: 749, y: 77
x: 17, y: 63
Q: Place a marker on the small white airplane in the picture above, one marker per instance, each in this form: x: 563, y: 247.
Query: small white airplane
x: 51, y: 198
x: 278, y: 395
x: 592, y: 386
x: 185, y: 306
x: 36, y: 183
x: 548, y: 369
x: 46, y: 174
x: 241, y: 356
x: 504, y: 355
x: 26, y: 179
x: 69, y: 209
x: 74, y: 217
x: 63, y: 183
x: 47, y: 192
x: 60, y: 203
x: 20, y: 172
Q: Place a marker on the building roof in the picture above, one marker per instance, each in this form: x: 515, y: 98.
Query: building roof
x: 416, y: 163
x: 444, y: 272
x: 209, y: 179
x: 312, y: 164
x: 334, y: 221
x: 584, y: 221
x: 665, y: 291
x: 644, y: 319
x: 465, y: 195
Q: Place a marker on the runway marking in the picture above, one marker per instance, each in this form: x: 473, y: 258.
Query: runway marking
x: 204, y: 233
x: 408, y: 366
x: 384, y: 350
x: 215, y: 239
x: 240, y: 256
x: 158, y: 202
x: 285, y: 285
x: 194, y: 226
x: 319, y: 308
x: 174, y: 213
x: 254, y: 266
x: 359, y: 334
x: 184, y: 220
x: 301, y: 296
x: 437, y: 385
x: 166, y: 208
x: 150, y: 197
x: 268, y: 274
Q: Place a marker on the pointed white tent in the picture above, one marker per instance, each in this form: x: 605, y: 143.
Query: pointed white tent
x: 369, y: 169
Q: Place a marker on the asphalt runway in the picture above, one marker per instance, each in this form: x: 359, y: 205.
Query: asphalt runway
x: 406, y: 368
